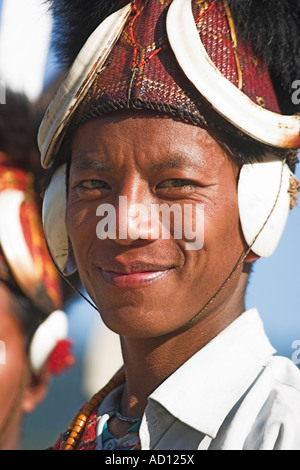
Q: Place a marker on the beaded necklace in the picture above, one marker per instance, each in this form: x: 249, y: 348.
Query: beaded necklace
x: 74, y: 432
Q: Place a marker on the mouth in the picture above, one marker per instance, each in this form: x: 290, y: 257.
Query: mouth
x: 133, y: 275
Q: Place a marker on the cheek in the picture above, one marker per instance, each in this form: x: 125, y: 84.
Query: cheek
x: 221, y: 232
x: 225, y: 231
x: 11, y: 375
x: 81, y: 225
x: 207, y: 268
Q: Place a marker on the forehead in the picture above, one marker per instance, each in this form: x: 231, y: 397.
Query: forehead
x: 157, y: 141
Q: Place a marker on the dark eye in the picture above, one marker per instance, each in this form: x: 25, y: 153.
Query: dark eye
x: 176, y: 183
x: 93, y: 184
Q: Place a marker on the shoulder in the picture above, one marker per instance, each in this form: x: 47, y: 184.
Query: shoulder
x: 284, y: 378
x: 267, y: 416
x: 286, y: 386
x: 277, y: 423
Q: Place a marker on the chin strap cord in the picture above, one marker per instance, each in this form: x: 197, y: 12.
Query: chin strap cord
x: 78, y: 291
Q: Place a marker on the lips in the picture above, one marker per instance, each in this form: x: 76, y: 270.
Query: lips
x: 134, y: 274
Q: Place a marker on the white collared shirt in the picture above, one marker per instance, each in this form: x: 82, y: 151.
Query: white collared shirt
x: 233, y: 394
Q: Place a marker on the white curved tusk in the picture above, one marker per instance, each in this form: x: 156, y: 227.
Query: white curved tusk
x: 13, y: 242
x: 53, y: 216
x: 53, y: 329
x: 75, y: 85
x: 265, y: 126
x: 264, y: 203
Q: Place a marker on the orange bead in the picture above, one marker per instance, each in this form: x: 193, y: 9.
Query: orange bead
x: 77, y: 428
x: 71, y: 442
x: 74, y: 435
x: 82, y: 417
x: 80, y: 423
x: 68, y: 447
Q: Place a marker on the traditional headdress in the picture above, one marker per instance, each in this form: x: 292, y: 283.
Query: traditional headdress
x: 227, y: 65
x: 25, y: 265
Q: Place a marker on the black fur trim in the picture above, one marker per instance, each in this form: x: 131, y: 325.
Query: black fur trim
x: 273, y: 28
x: 74, y: 22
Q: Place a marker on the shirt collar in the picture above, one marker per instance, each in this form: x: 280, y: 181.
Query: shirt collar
x: 204, y: 389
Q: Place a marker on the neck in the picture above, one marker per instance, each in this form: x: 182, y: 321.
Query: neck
x: 10, y: 433
x: 150, y: 361
x: 12, y: 443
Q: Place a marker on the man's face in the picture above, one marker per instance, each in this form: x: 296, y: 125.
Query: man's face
x: 145, y: 285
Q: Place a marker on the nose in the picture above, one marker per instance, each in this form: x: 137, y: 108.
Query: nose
x: 129, y: 217
x: 133, y: 219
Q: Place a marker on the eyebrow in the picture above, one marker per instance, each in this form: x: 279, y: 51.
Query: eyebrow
x: 85, y: 162
x: 182, y: 160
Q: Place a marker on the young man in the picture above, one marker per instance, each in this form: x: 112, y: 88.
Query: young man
x: 32, y: 326
x: 170, y: 110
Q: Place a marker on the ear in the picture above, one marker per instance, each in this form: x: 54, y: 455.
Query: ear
x: 71, y: 266
x: 264, y: 203
x: 251, y: 257
x: 35, y: 391
x: 54, y: 211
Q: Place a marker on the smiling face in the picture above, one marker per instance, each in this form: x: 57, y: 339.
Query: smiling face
x: 146, y: 285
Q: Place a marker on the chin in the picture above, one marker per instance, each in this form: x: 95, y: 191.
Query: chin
x: 138, y: 321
